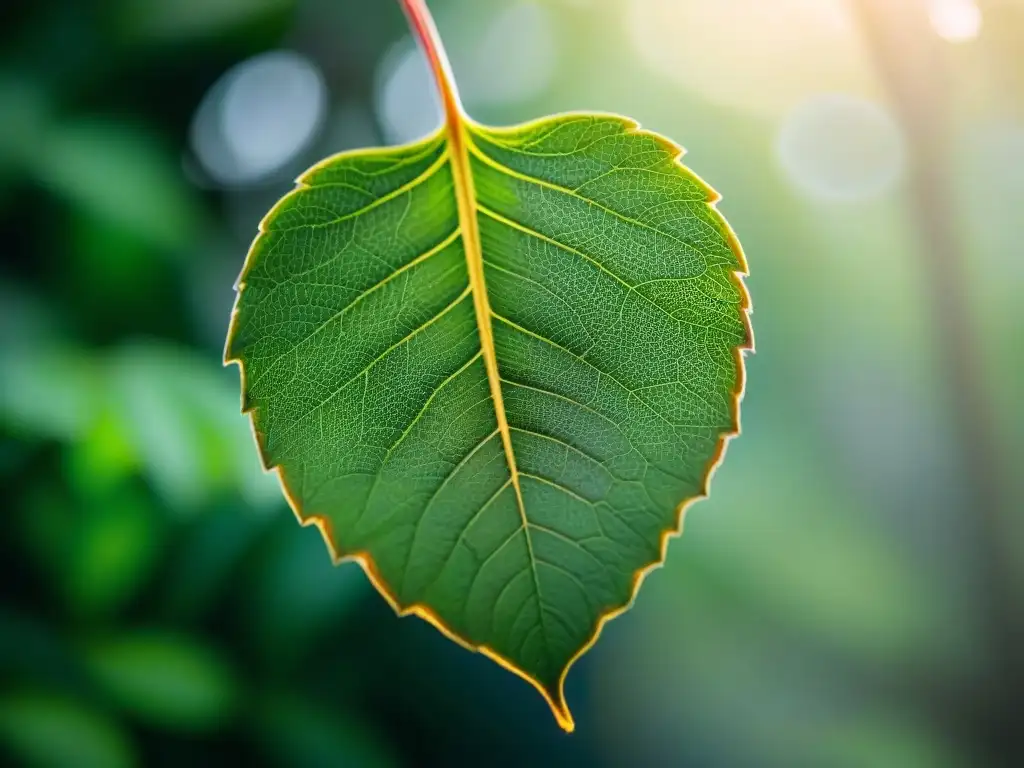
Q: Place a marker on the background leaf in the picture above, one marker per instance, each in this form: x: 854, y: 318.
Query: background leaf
x: 89, y: 162
x: 53, y: 732
x: 166, y: 680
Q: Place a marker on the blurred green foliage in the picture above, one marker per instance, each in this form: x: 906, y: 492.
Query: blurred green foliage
x: 159, y: 605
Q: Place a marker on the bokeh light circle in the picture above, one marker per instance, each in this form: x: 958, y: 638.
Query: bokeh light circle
x: 258, y: 117
x: 406, y: 100
x: 838, y: 147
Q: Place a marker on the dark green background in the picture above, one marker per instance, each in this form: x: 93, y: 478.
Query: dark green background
x: 831, y: 605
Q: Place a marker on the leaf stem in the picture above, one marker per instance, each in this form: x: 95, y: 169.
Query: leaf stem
x: 425, y: 32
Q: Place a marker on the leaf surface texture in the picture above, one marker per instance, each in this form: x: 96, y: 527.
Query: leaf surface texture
x: 516, y: 506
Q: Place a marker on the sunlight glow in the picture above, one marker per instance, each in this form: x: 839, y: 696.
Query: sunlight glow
x: 513, y: 59
x: 957, y: 21
x: 759, y: 56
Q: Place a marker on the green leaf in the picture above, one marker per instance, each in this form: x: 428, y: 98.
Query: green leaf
x: 97, y: 546
x: 47, y: 731
x: 163, y: 679
x: 292, y: 731
x: 47, y: 391
x: 121, y: 176
x: 193, y: 19
x: 494, y: 366
x: 114, y: 547
x: 171, y: 404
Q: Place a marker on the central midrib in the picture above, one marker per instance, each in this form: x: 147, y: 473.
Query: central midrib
x: 459, y: 141
x: 465, y: 194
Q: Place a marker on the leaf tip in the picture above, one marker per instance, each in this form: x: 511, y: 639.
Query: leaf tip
x: 561, y: 711
x: 553, y: 692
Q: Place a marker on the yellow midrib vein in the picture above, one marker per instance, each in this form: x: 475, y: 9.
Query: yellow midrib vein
x: 455, y: 126
x: 465, y: 198
x: 465, y: 193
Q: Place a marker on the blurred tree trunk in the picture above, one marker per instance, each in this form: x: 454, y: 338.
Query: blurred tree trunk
x: 910, y: 60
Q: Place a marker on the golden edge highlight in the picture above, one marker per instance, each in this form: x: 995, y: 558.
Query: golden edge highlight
x: 424, y: 27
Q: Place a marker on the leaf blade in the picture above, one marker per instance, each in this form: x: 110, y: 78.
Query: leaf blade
x: 432, y: 513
